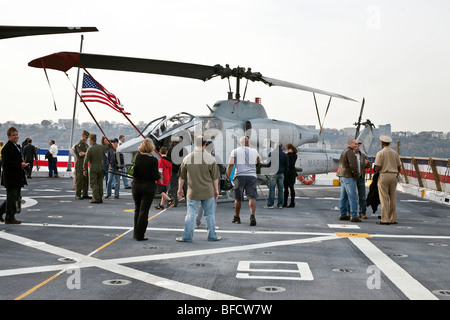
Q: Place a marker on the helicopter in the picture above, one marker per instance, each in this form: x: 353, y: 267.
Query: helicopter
x: 227, y: 121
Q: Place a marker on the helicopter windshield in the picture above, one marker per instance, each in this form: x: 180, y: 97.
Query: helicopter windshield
x: 151, y: 125
x: 166, y: 127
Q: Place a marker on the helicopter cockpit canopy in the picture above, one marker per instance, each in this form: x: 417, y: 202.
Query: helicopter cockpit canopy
x: 170, y: 126
x: 151, y: 125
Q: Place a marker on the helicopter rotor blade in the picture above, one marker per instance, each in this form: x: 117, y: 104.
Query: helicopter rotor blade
x: 161, y: 67
x: 281, y: 83
x: 64, y: 61
x: 22, y: 31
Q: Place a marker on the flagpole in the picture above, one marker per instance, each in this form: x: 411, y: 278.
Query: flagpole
x: 69, y: 163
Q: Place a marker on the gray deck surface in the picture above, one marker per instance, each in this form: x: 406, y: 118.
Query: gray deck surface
x: 67, y: 249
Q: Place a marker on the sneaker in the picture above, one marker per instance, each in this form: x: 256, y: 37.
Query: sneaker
x: 355, y: 219
x: 236, y: 220
x: 180, y: 239
x: 344, y: 218
x: 159, y: 207
x: 252, y: 220
x: 268, y: 207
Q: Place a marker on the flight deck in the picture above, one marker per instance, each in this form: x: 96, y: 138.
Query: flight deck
x: 67, y: 249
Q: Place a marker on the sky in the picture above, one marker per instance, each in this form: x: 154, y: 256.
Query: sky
x: 395, y: 54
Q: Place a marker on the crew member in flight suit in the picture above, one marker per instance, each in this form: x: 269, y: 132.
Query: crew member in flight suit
x: 81, y: 181
x: 94, y: 157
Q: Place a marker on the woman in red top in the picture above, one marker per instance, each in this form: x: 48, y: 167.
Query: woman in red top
x: 165, y: 168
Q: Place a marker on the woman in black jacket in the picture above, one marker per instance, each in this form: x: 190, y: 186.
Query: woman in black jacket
x: 290, y: 176
x: 143, y: 187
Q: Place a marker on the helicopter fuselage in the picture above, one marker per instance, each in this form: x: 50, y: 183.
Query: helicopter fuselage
x: 226, y: 123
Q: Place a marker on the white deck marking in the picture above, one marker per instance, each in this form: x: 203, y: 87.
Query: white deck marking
x: 302, y: 273
x: 344, y: 226
x: 413, y: 289
x: 122, y: 270
x: 193, y: 253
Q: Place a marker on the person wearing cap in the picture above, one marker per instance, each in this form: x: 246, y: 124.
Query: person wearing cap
x: 94, y: 160
x: 388, y: 164
x: 348, y: 172
x: 81, y: 181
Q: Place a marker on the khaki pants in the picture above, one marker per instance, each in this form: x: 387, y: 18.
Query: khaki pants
x: 387, y: 189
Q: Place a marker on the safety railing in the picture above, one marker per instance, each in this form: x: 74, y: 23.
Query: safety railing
x: 428, y: 173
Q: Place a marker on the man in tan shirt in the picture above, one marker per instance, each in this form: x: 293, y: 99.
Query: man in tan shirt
x: 201, y: 171
x: 388, y: 164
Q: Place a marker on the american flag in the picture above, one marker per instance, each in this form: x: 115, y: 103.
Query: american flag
x: 94, y: 92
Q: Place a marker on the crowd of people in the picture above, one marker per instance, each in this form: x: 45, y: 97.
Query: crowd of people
x: 197, y: 178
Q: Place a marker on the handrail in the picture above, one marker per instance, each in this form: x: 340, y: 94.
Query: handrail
x: 430, y: 173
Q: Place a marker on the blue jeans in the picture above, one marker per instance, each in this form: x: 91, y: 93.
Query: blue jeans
x: 52, y: 167
x: 113, y: 183
x: 189, y: 222
x: 361, y: 187
x: 276, y: 180
x: 126, y: 184
x: 348, y: 194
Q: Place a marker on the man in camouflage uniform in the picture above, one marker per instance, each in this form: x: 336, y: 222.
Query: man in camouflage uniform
x: 81, y: 181
x: 94, y: 157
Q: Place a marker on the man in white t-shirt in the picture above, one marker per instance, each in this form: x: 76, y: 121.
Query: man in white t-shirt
x: 53, y: 164
x: 244, y: 159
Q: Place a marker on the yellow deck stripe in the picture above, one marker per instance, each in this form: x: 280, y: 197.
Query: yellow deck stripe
x: 353, y: 235
x: 23, y: 295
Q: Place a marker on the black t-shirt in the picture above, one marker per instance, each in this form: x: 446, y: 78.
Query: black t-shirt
x: 146, y: 168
